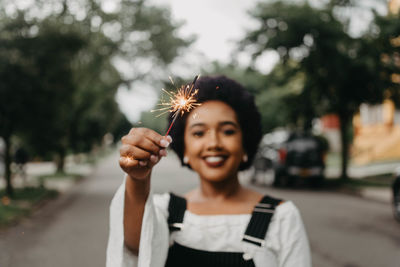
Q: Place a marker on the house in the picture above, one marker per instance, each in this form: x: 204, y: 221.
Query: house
x: 376, y: 133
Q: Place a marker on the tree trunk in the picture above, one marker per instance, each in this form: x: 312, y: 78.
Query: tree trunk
x: 7, y: 166
x: 60, y: 160
x: 344, y: 122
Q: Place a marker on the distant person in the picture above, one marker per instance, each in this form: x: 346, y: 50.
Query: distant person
x: 1, y: 157
x: 21, y: 157
x: 220, y: 223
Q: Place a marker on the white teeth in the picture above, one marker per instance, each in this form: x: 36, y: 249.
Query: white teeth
x: 214, y: 159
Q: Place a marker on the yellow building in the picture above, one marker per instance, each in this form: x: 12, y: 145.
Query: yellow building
x: 394, y: 6
x: 376, y: 133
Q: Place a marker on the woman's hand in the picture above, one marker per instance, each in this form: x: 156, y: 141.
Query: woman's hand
x: 141, y: 149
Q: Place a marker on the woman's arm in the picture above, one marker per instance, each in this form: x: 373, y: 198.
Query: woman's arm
x: 295, y: 248
x: 136, y: 193
x: 141, y: 150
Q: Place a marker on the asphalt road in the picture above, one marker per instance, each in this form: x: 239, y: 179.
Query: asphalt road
x: 70, y: 231
x: 344, y: 231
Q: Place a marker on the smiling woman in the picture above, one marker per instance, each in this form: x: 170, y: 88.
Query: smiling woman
x: 220, y: 223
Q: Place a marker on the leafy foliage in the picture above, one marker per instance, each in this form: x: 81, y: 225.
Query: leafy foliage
x: 336, y: 72
x: 60, y: 68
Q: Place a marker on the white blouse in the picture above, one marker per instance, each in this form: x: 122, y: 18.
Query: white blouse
x: 286, y: 241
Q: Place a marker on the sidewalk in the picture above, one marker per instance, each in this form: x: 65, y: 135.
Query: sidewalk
x: 381, y: 194
x: 36, y: 169
x: 377, y: 194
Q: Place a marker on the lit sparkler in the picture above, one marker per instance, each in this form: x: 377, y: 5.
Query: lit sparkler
x: 182, y: 101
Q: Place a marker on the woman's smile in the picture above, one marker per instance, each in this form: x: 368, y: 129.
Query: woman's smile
x: 215, y: 161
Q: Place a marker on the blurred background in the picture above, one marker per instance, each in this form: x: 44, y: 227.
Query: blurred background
x: 75, y: 76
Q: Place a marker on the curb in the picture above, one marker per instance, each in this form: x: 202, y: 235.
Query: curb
x: 378, y: 194
x: 383, y: 195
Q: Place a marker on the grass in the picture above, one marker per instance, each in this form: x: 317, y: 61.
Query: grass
x: 11, y: 213
x: 22, y: 203
x: 383, y: 180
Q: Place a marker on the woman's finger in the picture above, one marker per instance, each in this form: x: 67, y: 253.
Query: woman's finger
x: 135, y: 137
x: 141, y: 142
x: 127, y: 162
x: 134, y: 152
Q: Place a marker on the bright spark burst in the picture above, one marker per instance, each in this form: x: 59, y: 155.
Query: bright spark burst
x: 184, y: 100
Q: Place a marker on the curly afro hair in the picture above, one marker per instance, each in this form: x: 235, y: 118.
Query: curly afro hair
x: 239, y: 99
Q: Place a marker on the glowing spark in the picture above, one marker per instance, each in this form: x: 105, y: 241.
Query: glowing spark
x: 182, y: 101
x: 172, y: 81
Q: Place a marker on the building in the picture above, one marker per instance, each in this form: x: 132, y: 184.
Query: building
x: 376, y: 133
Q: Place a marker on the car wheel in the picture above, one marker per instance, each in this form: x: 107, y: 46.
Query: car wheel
x: 280, y: 178
x: 317, y: 182
x: 291, y: 181
x: 277, y: 180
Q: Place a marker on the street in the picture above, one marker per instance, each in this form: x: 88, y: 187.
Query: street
x: 347, y: 231
x: 344, y: 230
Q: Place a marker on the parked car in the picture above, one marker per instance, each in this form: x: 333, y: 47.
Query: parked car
x: 268, y: 157
x: 396, y: 195
x: 264, y: 165
x: 284, y: 158
x: 302, y: 159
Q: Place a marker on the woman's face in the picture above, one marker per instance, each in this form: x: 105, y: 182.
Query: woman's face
x: 213, y: 141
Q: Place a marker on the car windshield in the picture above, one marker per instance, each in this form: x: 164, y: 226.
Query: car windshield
x: 302, y: 145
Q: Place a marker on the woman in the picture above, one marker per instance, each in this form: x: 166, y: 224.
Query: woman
x: 221, y: 223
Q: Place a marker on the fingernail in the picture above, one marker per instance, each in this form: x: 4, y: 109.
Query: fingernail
x: 164, y: 143
x: 153, y: 158
x: 143, y: 163
x: 163, y: 152
x: 169, y: 138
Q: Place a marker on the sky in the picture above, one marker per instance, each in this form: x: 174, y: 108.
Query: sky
x: 217, y: 25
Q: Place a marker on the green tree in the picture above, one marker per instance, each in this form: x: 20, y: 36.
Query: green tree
x: 132, y: 34
x: 340, y: 71
x: 32, y: 84
x: 62, y: 66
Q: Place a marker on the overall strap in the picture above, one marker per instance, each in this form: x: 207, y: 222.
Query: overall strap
x: 260, y: 219
x: 176, y: 210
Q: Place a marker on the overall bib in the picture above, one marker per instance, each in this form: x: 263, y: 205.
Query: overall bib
x: 256, y: 230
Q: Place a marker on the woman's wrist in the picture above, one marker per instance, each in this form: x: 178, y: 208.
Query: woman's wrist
x: 138, y: 189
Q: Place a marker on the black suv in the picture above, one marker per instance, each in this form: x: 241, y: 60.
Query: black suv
x: 302, y: 158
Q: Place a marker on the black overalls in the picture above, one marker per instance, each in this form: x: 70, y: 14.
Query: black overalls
x: 179, y: 255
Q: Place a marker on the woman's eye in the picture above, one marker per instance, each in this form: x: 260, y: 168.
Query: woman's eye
x: 229, y: 132
x: 198, y: 133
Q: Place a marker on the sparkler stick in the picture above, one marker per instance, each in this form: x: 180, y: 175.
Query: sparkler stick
x: 172, y: 123
x: 183, y: 101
